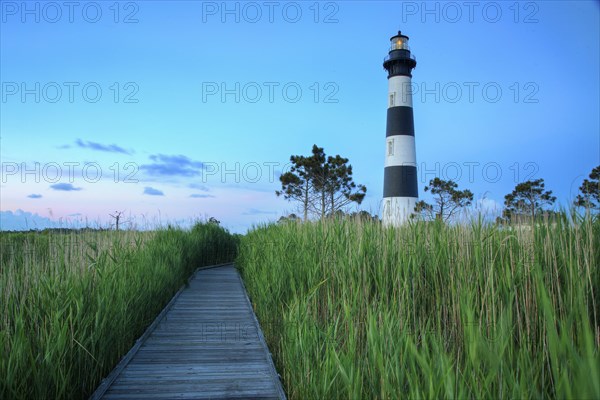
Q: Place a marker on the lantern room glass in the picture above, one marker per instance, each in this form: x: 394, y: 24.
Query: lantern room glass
x: 400, y: 43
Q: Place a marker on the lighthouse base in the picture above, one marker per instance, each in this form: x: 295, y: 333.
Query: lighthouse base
x: 398, y: 210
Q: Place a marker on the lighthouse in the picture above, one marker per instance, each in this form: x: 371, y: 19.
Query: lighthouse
x: 400, y: 174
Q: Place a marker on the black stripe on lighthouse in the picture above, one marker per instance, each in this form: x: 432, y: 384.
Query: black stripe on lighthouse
x: 400, y: 121
x: 400, y: 181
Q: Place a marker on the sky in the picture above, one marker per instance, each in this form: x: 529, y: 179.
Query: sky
x: 170, y: 111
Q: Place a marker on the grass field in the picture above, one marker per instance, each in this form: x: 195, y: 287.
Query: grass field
x: 353, y: 310
x: 349, y: 309
x: 72, y: 304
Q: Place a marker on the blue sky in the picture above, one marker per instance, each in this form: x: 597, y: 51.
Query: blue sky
x: 175, y: 110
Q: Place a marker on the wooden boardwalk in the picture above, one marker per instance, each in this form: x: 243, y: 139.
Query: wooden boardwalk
x: 206, y: 344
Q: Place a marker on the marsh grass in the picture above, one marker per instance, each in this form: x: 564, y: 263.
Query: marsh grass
x: 354, y: 310
x: 72, y: 304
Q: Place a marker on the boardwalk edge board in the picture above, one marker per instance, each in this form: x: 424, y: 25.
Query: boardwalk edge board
x: 108, y: 381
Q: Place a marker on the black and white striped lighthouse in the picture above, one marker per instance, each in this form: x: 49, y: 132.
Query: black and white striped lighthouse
x: 400, y: 176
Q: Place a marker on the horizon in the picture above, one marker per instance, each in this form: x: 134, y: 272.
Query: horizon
x: 175, y: 111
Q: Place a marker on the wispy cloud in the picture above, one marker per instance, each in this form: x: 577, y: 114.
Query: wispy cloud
x: 111, y: 148
x: 178, y: 165
x: 150, y: 191
x: 197, y: 186
x: 35, y: 196
x: 254, y: 211
x: 201, y: 196
x: 65, y: 187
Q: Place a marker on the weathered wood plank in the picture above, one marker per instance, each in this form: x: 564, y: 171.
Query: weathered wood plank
x: 207, y: 385
x: 247, y: 394
x: 187, y: 375
x: 206, y: 344
x: 192, y: 346
x: 193, y: 369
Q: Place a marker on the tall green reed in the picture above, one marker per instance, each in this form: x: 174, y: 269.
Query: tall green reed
x: 355, y: 310
x: 71, y: 305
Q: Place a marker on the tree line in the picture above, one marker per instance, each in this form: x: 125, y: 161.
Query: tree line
x: 323, y: 186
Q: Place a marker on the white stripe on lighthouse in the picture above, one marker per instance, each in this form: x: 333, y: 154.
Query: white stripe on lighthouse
x: 397, y: 210
x: 400, y: 91
x: 400, y: 150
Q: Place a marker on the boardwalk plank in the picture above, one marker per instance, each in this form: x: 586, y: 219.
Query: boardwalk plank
x: 206, y: 344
